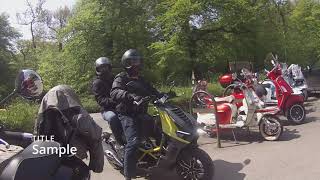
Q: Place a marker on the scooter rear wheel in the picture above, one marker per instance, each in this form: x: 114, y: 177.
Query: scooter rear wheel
x: 296, y: 114
x: 270, y: 128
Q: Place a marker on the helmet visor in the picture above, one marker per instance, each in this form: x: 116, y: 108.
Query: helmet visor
x: 104, y: 68
x: 134, y: 62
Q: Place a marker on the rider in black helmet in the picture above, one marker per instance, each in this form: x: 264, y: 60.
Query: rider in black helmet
x: 134, y: 119
x: 101, y: 88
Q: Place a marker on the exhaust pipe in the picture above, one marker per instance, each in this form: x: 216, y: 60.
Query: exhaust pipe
x: 111, y: 156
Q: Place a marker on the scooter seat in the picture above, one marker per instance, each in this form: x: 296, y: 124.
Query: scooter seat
x: 28, y: 165
x: 228, y: 99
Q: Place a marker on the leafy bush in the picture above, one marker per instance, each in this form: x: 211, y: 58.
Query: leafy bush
x: 19, y: 116
x: 89, y: 103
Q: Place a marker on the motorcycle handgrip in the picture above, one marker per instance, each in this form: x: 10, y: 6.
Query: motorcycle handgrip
x: 16, y: 136
x: 145, y: 99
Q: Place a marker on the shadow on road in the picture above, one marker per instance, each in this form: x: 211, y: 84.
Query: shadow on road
x: 311, y: 109
x: 288, y: 134
x: 311, y: 119
x: 229, y: 171
x: 244, y: 137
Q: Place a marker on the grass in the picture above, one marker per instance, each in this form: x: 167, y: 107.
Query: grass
x: 89, y: 103
x: 19, y: 116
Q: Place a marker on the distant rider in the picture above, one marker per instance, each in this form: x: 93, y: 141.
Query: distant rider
x: 101, y: 89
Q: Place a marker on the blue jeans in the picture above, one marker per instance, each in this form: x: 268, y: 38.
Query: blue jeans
x: 115, y: 125
x: 134, y: 128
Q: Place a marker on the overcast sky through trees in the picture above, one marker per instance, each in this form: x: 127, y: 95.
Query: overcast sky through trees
x: 12, y: 7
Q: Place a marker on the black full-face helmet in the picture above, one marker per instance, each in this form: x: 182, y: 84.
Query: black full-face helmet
x: 132, y: 62
x: 103, y: 66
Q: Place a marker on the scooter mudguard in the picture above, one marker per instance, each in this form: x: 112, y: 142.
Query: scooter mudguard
x: 294, y: 99
x: 224, y: 113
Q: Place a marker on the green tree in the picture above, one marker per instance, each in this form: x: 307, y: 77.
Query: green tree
x: 305, y: 32
x: 7, y: 35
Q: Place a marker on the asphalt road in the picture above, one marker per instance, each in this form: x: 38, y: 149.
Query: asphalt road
x: 295, y: 156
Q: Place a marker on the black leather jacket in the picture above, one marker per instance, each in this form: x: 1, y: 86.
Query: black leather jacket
x: 101, y: 88
x: 123, y: 94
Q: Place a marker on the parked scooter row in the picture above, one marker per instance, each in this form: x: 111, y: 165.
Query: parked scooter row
x: 248, y: 103
x: 289, y: 102
x: 241, y: 109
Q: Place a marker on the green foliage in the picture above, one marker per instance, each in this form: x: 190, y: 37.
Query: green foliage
x: 7, y: 35
x: 90, y: 104
x: 305, y: 34
x: 19, y: 116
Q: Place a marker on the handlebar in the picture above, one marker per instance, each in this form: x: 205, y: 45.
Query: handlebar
x: 142, y: 101
x: 156, y: 99
x: 4, y: 143
x: 17, y: 137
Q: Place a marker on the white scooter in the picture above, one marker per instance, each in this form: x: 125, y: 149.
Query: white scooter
x: 300, y: 83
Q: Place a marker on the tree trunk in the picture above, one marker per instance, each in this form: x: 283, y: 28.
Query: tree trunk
x: 32, y: 35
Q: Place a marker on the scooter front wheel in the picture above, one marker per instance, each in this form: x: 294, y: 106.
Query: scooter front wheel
x: 194, y: 164
x: 296, y: 114
x: 270, y: 128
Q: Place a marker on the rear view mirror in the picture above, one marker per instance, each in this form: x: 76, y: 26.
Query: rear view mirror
x: 28, y: 84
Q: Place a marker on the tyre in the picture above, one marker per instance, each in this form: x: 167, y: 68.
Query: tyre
x: 296, y: 114
x: 195, y: 164
x: 270, y: 128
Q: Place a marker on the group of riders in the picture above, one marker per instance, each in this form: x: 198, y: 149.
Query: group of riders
x: 116, y: 100
x: 61, y: 112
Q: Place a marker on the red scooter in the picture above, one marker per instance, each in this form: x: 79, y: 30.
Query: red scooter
x: 290, y: 104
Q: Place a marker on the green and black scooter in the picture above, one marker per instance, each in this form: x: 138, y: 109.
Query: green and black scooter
x: 177, y: 154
